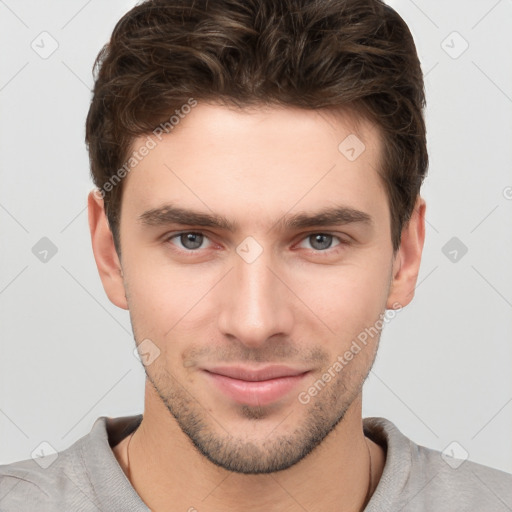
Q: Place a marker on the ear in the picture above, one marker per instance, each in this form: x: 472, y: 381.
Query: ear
x: 406, y: 264
x: 107, y: 260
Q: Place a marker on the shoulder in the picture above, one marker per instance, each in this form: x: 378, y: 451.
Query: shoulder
x: 85, y: 477
x: 417, y: 478
x: 473, y: 486
x: 81, y: 477
x: 46, y: 482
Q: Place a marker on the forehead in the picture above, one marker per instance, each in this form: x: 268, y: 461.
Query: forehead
x: 259, y: 162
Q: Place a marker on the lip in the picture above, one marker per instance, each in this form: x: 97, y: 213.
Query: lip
x: 255, y: 387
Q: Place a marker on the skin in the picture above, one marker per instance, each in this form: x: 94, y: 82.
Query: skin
x: 300, y: 303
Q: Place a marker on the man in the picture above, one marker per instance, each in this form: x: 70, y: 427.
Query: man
x: 258, y: 168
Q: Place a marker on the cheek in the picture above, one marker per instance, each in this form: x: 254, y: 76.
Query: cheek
x: 347, y: 298
x: 165, y: 300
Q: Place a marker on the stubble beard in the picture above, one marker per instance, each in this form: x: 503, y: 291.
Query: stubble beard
x: 275, y: 452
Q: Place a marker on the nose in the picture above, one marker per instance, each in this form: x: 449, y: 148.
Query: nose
x: 255, y: 304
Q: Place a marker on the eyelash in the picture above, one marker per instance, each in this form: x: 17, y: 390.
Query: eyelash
x: 329, y: 251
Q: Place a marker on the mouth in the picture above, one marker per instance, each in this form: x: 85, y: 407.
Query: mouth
x: 255, y: 387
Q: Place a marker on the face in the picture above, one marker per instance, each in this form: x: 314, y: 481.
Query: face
x: 247, y: 292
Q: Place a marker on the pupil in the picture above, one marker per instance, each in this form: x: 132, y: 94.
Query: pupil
x: 191, y: 240
x: 326, y: 241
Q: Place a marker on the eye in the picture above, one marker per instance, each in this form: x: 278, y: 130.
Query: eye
x: 189, y: 240
x: 192, y: 241
x: 322, y: 241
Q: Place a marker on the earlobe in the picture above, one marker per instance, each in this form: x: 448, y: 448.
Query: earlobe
x: 105, y: 255
x: 407, y: 260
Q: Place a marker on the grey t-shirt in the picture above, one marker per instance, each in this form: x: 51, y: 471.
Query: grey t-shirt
x: 86, y: 477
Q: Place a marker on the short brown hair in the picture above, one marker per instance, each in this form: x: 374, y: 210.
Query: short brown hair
x: 354, y: 54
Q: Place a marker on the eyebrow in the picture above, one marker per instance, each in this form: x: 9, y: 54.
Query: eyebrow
x: 337, y: 215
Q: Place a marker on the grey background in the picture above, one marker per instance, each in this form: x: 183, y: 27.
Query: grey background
x: 443, y: 370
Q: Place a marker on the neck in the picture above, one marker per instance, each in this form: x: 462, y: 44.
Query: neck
x: 166, y: 470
